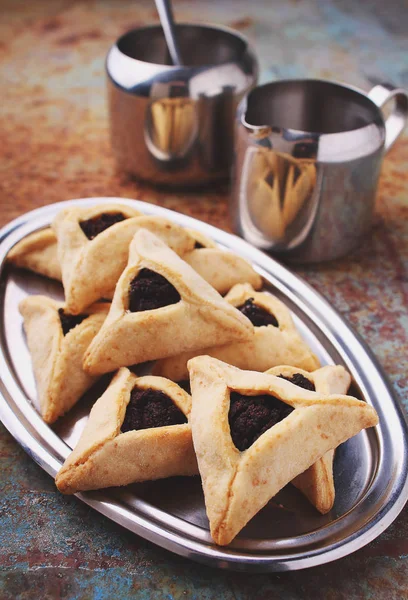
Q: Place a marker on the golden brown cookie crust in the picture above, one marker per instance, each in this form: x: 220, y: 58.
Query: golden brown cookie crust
x: 105, y: 457
x: 222, y: 269
x: 238, y: 484
x: 317, y: 482
x: 201, y: 238
x: 91, y: 268
x: 57, y: 359
x: 201, y: 315
x: 37, y: 252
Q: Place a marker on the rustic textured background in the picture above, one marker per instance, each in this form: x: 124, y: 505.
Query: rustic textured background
x: 54, y: 146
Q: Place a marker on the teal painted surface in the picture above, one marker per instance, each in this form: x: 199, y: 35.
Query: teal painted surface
x: 54, y: 144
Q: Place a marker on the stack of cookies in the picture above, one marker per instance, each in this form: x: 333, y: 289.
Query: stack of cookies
x: 235, y: 394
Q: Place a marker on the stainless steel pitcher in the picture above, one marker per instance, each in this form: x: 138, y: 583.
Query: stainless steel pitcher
x: 173, y: 125
x: 308, y: 156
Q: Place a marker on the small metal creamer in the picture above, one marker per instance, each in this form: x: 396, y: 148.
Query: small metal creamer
x: 308, y: 155
x: 173, y: 125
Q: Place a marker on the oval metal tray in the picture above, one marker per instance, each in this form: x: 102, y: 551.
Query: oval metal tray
x: 371, y: 470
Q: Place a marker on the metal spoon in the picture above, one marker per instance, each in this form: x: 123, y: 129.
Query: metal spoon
x: 167, y: 22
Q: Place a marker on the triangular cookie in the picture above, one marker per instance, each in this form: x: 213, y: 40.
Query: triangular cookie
x: 93, y: 261
x: 275, y: 343
x: 317, y: 482
x: 161, y: 307
x: 37, y: 252
x: 138, y: 430
x: 57, y: 342
x: 280, y: 436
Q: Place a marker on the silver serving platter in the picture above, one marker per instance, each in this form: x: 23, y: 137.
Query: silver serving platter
x: 371, y: 470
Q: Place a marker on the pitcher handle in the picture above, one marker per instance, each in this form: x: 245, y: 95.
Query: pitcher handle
x: 395, y: 123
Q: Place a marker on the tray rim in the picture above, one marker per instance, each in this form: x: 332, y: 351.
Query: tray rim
x: 289, y: 284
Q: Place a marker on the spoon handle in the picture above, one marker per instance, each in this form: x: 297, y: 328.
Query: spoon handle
x: 167, y: 22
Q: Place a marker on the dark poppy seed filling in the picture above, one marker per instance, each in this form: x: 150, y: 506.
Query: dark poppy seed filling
x: 185, y: 385
x: 149, y: 290
x: 150, y: 408
x: 95, y: 226
x: 301, y: 381
x: 68, y: 321
x: 197, y: 245
x: 250, y: 416
x: 257, y: 315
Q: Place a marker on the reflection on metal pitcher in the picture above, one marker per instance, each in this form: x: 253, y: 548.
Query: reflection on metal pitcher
x: 278, y: 186
x: 171, y: 128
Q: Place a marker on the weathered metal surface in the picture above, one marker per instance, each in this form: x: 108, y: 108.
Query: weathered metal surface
x: 54, y: 146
